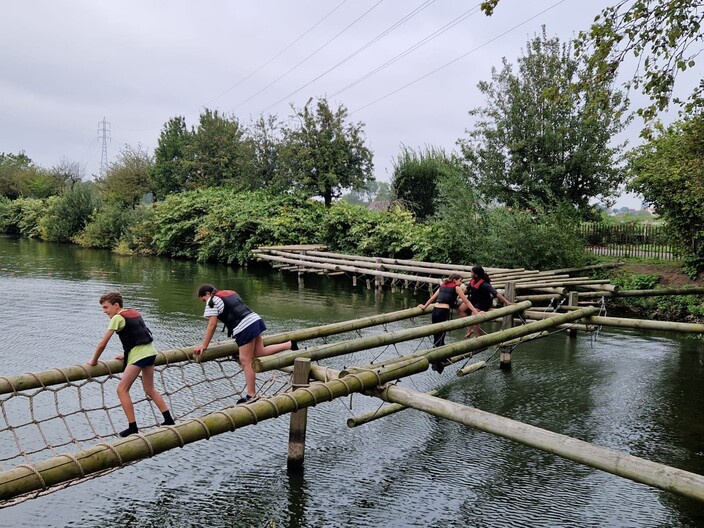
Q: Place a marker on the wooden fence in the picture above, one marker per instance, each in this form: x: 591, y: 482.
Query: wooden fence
x: 630, y: 240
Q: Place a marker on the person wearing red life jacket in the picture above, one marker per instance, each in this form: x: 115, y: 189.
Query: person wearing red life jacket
x: 243, y: 325
x: 139, y: 357
x: 445, y: 298
x: 481, y: 293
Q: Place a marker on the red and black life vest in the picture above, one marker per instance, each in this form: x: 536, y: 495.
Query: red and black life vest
x: 135, y: 331
x: 480, y: 297
x: 448, y: 293
x: 235, y: 310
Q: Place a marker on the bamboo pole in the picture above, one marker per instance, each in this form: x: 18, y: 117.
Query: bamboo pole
x: 624, y: 465
x: 466, y: 346
x: 299, y: 418
x: 473, y: 367
x: 223, y: 349
x: 382, y: 412
x: 644, y: 293
x: 623, y: 322
x: 286, y: 358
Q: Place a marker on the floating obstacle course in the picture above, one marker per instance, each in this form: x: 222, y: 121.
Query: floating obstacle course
x: 202, y: 392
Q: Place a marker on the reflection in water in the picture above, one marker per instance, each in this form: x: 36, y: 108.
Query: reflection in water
x: 637, y: 392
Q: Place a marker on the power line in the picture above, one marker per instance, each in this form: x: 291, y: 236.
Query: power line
x: 278, y: 54
x: 458, y: 58
x: 388, y: 30
x: 452, y: 23
x: 309, y: 56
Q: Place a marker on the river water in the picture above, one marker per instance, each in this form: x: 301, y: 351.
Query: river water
x: 638, y: 392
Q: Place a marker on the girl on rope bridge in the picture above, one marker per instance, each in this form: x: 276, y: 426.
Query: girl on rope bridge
x: 481, y: 293
x: 244, y: 325
x: 446, y: 296
x: 139, y: 356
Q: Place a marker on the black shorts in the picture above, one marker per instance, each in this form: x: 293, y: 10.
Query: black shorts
x: 146, y: 362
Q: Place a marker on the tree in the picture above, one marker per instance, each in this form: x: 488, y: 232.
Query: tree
x: 13, y: 168
x: 217, y: 154
x: 661, y: 36
x: 127, y: 179
x: 169, y: 173
x: 544, y: 137
x: 416, y: 177
x: 265, y: 137
x: 669, y: 172
x: 323, y: 154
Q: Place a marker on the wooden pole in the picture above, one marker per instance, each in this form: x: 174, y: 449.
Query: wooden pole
x: 223, y: 349
x: 572, y: 302
x: 637, y: 469
x: 299, y: 418
x: 382, y: 412
x: 504, y: 351
x: 623, y: 322
x: 284, y: 359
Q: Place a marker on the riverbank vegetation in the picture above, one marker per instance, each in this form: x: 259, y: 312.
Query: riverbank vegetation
x: 537, y: 159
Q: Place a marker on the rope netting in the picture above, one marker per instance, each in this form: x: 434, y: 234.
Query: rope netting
x: 54, y: 420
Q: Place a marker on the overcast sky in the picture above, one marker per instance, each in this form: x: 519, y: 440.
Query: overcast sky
x: 66, y: 65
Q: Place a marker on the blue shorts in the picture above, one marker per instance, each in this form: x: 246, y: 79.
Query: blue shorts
x: 250, y: 333
x: 146, y: 362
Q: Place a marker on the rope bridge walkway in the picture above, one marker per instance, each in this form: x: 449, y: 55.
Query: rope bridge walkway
x: 56, y: 412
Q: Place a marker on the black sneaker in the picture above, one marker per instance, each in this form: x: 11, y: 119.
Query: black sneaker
x: 247, y: 399
x: 437, y: 367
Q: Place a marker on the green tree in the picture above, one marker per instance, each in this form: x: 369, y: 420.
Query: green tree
x: 669, y: 172
x: 545, y: 135
x: 323, y: 154
x: 127, y: 179
x: 415, y: 179
x: 66, y: 214
x: 664, y: 38
x: 13, y: 170
x: 265, y: 138
x: 169, y: 173
x: 218, y: 155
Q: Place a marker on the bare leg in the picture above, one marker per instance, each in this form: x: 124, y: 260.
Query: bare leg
x: 123, y: 390
x: 246, y: 357
x: 149, y: 390
x: 269, y: 350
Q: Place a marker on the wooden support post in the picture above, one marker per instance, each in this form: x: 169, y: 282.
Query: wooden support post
x: 300, y: 279
x: 297, y: 430
x: 505, y: 352
x: 572, y: 302
x: 354, y: 280
x: 369, y: 284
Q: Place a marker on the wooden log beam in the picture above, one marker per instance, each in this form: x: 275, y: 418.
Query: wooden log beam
x: 220, y: 350
x: 286, y: 358
x: 382, y: 412
x: 643, y: 293
x: 617, y: 463
x: 623, y: 322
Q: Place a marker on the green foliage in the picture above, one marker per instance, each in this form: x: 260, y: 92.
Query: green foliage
x: 177, y: 221
x: 169, y: 173
x: 66, y: 214
x: 416, y: 176
x: 218, y: 155
x: 323, y: 154
x: 669, y: 172
x: 545, y: 135
x: 660, y: 35
x: 21, y: 217
x: 107, y: 227
x: 14, y: 168
x: 534, y: 239
x: 635, y: 281
x: 127, y: 179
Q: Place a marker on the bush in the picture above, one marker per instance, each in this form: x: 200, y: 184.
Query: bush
x: 21, y: 216
x: 67, y: 214
x: 107, y: 227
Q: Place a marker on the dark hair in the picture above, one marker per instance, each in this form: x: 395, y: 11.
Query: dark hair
x: 112, y: 297
x: 453, y: 278
x: 479, y: 272
x: 207, y: 288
